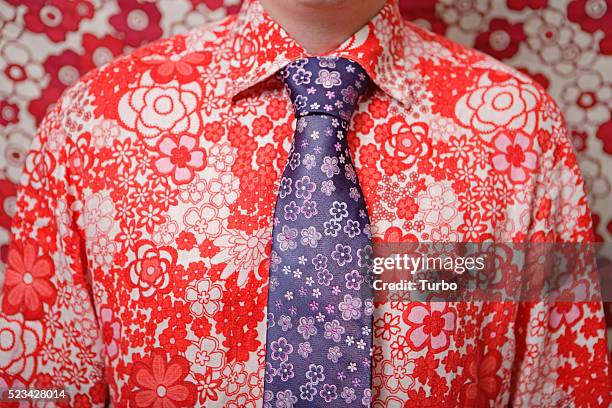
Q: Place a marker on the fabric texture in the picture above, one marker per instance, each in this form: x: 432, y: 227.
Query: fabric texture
x: 147, y: 201
x: 320, y: 300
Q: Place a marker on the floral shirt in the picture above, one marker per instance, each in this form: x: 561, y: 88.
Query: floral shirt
x: 139, y: 265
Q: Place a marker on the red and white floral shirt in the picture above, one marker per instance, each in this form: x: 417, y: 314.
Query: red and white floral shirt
x: 138, y: 270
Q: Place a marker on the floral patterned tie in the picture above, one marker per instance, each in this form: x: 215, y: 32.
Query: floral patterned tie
x: 320, y: 298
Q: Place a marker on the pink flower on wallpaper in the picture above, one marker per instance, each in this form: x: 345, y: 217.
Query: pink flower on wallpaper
x: 423, y: 14
x: 99, y: 50
x: 604, y: 133
x: 502, y: 40
x: 55, y: 18
x: 9, y: 112
x: 605, y: 45
x: 64, y: 69
x: 591, y: 15
x: 138, y: 22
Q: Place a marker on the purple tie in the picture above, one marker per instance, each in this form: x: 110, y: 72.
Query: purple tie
x: 320, y: 298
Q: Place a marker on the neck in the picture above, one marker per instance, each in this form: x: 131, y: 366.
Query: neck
x: 320, y: 26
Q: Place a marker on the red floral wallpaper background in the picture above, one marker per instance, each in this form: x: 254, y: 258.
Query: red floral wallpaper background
x: 566, y: 45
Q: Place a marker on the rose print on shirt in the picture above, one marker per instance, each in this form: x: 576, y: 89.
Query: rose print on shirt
x: 437, y: 204
x: 163, y: 234
x: 97, y: 216
x: 206, y: 353
x: 431, y: 324
x: 179, y: 157
x: 221, y: 156
x: 18, y: 359
x: 104, y: 251
x: 183, y: 69
x: 204, y: 297
x: 28, y: 286
x: 151, y: 269
x: 152, y: 109
x: 404, y: 143
x: 514, y: 155
x: 161, y: 381
x: 399, y: 374
x: 495, y: 105
x: 224, y: 189
x: 203, y: 220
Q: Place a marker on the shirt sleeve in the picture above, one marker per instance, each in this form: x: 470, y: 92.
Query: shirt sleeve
x: 561, y: 350
x: 48, y: 328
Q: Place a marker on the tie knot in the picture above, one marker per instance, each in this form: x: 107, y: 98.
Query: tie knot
x: 325, y: 86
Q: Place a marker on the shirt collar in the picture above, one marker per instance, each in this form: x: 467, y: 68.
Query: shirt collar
x: 260, y: 47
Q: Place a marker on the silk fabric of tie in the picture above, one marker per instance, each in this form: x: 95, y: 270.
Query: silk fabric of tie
x: 320, y: 298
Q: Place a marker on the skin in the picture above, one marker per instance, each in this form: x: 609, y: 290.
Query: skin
x: 320, y: 26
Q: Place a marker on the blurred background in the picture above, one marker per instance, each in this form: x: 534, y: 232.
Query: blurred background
x: 565, y: 45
